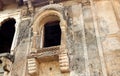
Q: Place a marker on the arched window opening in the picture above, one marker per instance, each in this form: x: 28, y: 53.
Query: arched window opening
x: 7, y: 30
x: 52, y: 34
x: 49, y: 31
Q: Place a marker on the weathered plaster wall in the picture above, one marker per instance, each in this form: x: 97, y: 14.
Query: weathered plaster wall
x: 82, y: 44
x: 109, y: 28
x: 22, y: 48
x: 92, y: 29
x: 100, y: 29
x: 75, y: 41
x: 10, y: 13
x: 94, y: 63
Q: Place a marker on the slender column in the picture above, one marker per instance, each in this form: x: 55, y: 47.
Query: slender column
x: 34, y: 48
x: 63, y: 36
x: 85, y: 46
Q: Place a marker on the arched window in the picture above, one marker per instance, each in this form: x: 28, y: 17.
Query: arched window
x: 7, y: 30
x: 49, y: 41
x: 49, y: 30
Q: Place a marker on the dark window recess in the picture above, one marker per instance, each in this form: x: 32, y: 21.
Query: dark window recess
x: 7, y: 30
x: 52, y: 34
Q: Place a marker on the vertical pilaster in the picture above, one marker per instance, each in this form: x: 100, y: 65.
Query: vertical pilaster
x: 77, y: 46
x: 84, y: 44
x: 98, y: 39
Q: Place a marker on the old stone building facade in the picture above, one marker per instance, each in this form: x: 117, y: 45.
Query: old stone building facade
x: 60, y: 38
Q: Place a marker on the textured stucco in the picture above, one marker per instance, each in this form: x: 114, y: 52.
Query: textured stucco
x: 92, y: 39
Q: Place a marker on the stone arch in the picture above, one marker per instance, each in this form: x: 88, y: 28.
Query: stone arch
x: 39, y: 22
x: 52, y: 9
x: 55, y: 10
x: 56, y: 7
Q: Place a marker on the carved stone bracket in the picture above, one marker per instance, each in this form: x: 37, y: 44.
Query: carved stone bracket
x: 43, y: 52
x: 33, y: 67
x: 64, y: 62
